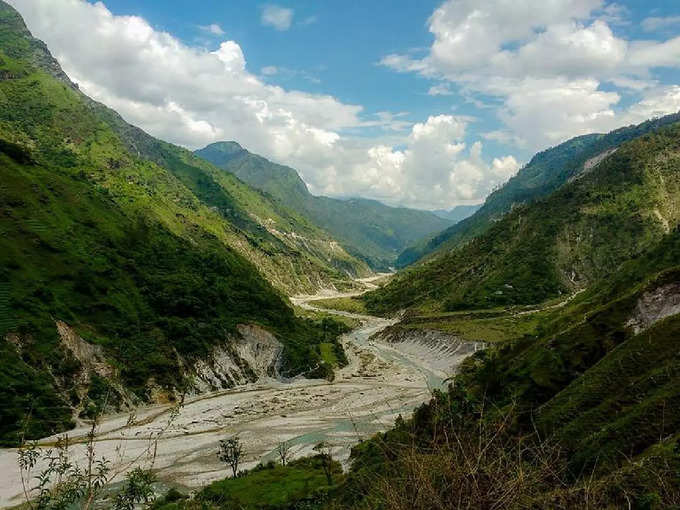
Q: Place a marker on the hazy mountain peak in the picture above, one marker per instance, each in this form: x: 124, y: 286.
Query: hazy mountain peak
x: 228, y: 147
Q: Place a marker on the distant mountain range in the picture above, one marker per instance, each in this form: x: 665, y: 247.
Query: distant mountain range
x: 366, y: 228
x: 458, y: 213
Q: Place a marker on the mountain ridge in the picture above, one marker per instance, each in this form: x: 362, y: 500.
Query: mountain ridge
x: 367, y: 228
x: 545, y: 172
x: 557, y: 244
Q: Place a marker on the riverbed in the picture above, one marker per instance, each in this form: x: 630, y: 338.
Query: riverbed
x: 377, y: 385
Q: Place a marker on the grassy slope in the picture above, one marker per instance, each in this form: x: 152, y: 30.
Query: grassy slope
x: 115, y: 245
x: 366, y: 228
x: 603, y: 390
x: 301, y: 484
x: 547, y: 171
x: 579, y: 234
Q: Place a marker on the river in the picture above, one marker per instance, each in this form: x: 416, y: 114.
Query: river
x: 379, y: 383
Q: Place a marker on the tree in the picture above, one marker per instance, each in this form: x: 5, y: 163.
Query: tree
x: 230, y: 452
x: 326, y: 455
x: 283, y: 451
x: 138, y: 488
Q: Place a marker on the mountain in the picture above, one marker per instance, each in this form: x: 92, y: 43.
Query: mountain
x: 581, y: 409
x: 367, y: 229
x: 583, y: 414
x: 458, y: 213
x: 547, y: 171
x: 607, y: 214
x: 128, y: 265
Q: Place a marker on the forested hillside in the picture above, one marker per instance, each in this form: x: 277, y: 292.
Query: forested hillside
x: 547, y: 171
x: 559, y: 244
x: 124, y: 260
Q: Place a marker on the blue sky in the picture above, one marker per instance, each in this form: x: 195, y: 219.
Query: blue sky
x: 337, y: 43
x: 428, y: 104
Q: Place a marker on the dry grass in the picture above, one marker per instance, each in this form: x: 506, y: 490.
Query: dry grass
x: 489, y: 466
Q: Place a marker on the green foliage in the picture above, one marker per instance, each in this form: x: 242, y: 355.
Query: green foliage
x: 301, y: 484
x: 137, y: 489
x: 346, y: 304
x: 488, y: 326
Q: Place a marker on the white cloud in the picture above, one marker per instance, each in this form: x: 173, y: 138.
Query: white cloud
x: 440, y: 89
x: 269, y: 70
x: 213, y: 29
x: 277, y: 17
x: 309, y: 20
x: 656, y: 103
x: 646, y: 54
x: 435, y: 168
x: 545, y: 61
x: 653, y: 24
x: 192, y: 97
x: 549, y: 111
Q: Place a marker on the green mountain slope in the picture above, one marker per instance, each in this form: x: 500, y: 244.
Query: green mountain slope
x: 547, y: 171
x: 584, y: 414
x: 557, y: 245
x: 294, y: 254
x: 124, y: 260
x: 366, y: 228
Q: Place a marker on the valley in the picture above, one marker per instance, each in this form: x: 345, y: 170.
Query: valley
x: 380, y: 382
x: 409, y: 319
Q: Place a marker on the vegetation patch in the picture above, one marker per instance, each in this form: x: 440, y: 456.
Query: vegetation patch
x: 300, y: 484
x: 344, y: 304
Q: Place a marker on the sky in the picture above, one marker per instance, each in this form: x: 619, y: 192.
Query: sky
x: 426, y: 104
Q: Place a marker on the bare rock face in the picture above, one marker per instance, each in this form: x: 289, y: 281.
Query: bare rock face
x: 593, y: 162
x: 260, y: 349
x: 654, y: 306
x: 253, y: 355
x: 92, y: 360
x: 440, y: 350
x: 91, y: 357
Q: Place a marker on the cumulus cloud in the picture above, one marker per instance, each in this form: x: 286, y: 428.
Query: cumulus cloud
x: 193, y: 97
x: 434, y: 168
x: 277, y: 17
x: 546, y: 61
